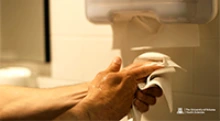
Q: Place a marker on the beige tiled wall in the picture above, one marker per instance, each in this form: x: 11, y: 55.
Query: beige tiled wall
x: 69, y: 19
x: 81, y: 49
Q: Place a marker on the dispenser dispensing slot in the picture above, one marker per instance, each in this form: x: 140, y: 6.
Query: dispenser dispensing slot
x: 166, y: 11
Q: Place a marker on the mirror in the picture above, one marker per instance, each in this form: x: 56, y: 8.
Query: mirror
x: 24, y: 30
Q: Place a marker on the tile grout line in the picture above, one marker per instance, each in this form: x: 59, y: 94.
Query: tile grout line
x: 196, y: 94
x: 193, y: 74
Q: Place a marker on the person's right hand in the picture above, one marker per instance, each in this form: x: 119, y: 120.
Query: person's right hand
x: 111, y: 93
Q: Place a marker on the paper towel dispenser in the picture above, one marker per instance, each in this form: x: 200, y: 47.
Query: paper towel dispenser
x: 165, y: 11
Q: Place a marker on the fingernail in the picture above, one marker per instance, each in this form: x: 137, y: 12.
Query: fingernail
x: 117, y: 60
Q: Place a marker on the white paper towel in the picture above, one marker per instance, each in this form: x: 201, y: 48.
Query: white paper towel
x: 145, y: 32
x: 158, y: 78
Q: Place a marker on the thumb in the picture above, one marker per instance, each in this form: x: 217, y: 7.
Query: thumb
x: 115, y: 65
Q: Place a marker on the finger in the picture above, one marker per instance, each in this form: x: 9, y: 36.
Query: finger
x: 135, y: 65
x: 142, y: 80
x: 154, y: 91
x: 115, y: 65
x: 142, y: 71
x: 147, y: 99
x: 97, y: 79
x: 142, y: 107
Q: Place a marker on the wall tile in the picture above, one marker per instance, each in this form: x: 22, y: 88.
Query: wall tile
x: 206, y: 69
x: 68, y: 17
x: 210, y: 30
x: 206, y: 74
x: 96, y: 56
x: 66, y: 57
x: 160, y: 112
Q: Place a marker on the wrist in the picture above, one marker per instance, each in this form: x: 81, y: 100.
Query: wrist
x: 82, y: 111
x: 89, y: 110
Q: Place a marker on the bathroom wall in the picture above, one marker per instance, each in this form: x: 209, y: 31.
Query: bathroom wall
x: 76, y: 41
x: 81, y: 49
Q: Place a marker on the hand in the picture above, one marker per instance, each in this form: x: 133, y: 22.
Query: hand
x: 111, y: 93
x: 145, y: 98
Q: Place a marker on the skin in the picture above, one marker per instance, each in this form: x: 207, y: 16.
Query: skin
x: 19, y: 103
x: 112, y: 91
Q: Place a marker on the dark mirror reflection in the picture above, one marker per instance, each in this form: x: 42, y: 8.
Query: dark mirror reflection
x: 24, y: 30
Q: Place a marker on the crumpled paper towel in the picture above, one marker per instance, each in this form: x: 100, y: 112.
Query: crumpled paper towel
x: 158, y: 77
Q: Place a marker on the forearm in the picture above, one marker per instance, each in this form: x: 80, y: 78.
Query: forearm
x: 77, y: 113
x: 38, y: 104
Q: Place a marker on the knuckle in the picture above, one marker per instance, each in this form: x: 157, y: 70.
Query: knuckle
x: 110, y: 76
x: 142, y: 107
x: 130, y: 76
x: 147, y: 71
x: 154, y: 91
x: 137, y: 103
x: 140, y: 95
x: 113, y: 78
x: 101, y: 73
x: 151, y: 100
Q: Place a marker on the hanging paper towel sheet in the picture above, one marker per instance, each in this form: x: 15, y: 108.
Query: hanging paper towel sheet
x: 140, y: 33
x: 158, y: 77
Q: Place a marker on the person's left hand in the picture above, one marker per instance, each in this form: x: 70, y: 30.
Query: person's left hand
x: 145, y: 98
